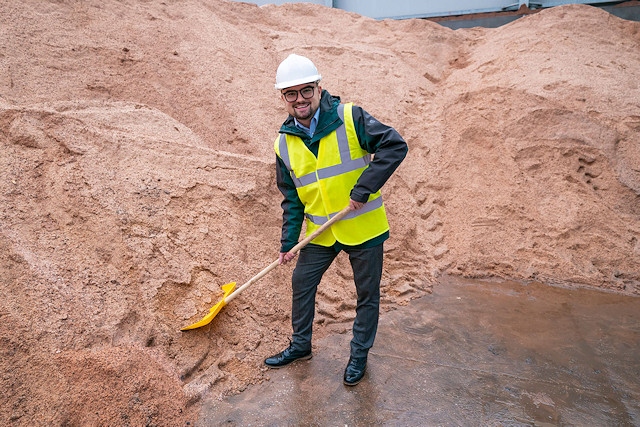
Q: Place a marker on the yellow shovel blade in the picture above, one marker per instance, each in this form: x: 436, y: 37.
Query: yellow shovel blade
x: 227, y: 289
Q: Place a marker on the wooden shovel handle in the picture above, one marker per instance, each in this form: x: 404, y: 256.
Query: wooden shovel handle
x: 294, y: 250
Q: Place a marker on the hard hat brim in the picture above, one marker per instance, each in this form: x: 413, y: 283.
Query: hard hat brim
x: 291, y: 83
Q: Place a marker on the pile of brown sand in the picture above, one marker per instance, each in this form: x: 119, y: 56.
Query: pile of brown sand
x: 137, y: 177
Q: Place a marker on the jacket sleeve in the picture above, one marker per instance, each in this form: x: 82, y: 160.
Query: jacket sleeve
x: 292, y: 208
x: 388, y: 147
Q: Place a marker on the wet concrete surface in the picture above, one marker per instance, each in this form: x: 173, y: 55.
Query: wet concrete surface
x: 470, y: 354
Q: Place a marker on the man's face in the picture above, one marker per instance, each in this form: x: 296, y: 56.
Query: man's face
x: 302, y: 101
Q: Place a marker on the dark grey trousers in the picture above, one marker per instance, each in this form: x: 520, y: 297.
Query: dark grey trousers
x: 312, y: 263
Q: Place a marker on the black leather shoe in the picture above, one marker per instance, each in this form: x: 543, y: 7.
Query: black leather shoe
x: 355, y: 370
x: 287, y: 356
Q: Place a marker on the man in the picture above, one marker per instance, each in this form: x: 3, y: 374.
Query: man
x: 324, y: 163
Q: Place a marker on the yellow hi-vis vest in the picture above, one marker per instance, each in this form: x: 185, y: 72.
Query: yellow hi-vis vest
x: 324, y: 183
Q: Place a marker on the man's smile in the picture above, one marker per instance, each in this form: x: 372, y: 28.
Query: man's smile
x: 302, y: 110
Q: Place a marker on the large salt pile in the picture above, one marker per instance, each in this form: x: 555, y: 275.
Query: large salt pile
x: 137, y: 177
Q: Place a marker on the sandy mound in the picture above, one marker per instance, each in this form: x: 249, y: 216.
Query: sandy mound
x: 137, y: 177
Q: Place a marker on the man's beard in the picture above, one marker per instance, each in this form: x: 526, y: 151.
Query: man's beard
x: 298, y: 115
x: 305, y: 117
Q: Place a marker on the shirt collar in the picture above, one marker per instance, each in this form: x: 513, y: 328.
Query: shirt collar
x: 312, y: 126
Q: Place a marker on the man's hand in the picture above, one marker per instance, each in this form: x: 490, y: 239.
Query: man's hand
x: 285, y: 257
x: 355, y: 205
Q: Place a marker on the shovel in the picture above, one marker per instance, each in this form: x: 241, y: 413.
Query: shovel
x: 229, y: 294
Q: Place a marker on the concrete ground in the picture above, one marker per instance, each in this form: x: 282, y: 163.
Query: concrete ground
x: 472, y: 353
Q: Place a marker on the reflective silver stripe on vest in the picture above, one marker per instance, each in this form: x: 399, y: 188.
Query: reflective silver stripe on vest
x: 307, y: 179
x: 347, y: 164
x: 368, y: 207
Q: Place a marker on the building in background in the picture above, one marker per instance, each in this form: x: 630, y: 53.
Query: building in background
x: 460, y: 13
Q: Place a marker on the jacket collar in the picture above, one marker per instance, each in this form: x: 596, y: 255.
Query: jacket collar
x: 327, y: 122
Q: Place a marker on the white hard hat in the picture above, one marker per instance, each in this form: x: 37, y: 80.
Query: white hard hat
x: 296, y: 70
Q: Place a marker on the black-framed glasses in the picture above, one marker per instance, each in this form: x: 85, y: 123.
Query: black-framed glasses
x: 306, y: 93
